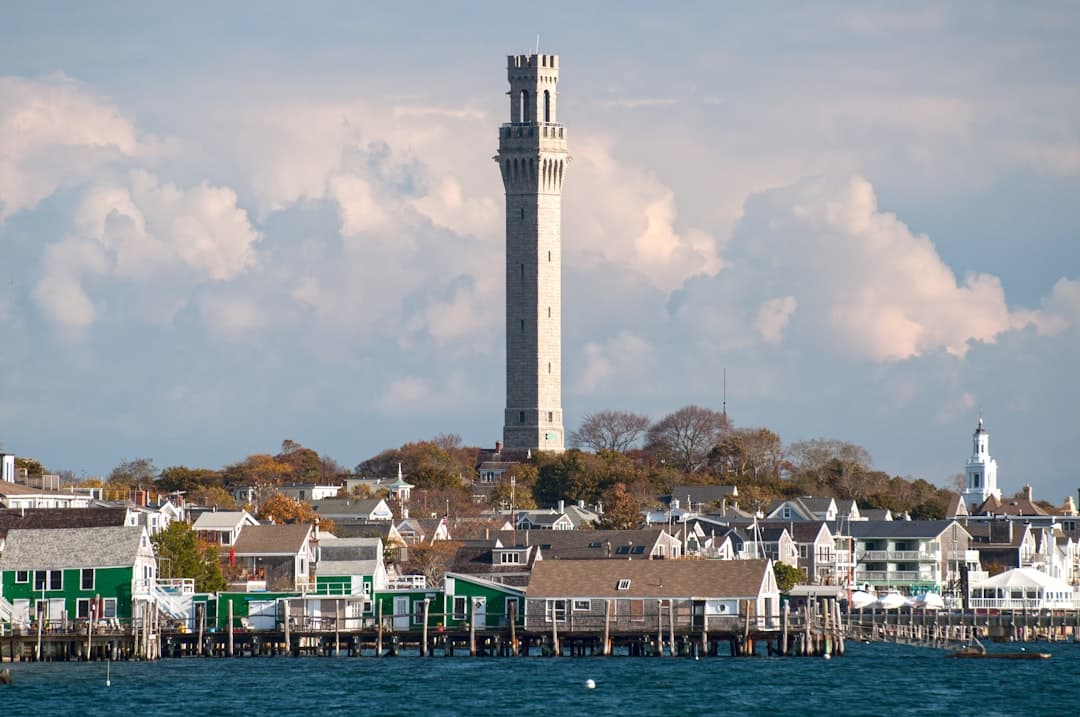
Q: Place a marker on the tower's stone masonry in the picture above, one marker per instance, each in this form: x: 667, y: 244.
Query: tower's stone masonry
x: 532, y: 158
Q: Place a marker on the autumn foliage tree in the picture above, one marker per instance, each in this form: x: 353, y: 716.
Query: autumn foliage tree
x: 282, y: 510
x: 182, y: 554
x: 622, y: 511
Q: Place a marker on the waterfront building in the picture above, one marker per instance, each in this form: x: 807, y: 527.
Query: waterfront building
x: 532, y: 159
x: 222, y: 527
x: 636, y: 595
x: 65, y: 574
x: 913, y: 555
x: 274, y: 557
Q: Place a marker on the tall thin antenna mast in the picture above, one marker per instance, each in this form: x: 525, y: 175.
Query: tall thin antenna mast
x: 537, y: 43
x: 724, y: 405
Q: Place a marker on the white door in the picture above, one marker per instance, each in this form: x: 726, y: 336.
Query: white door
x: 401, y: 612
x: 56, y: 610
x: 20, y: 611
x: 262, y: 614
x: 479, y: 611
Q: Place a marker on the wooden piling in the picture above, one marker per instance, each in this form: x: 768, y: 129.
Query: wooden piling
x: 379, y: 629
x: 424, y: 641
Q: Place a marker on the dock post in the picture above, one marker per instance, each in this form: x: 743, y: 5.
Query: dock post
x: 200, y: 617
x: 607, y: 628
x: 230, y: 603
x: 555, y: 651
x: 378, y: 626
x: 659, y: 628
x: 424, y: 643
x: 671, y: 625
x: 472, y: 633
x: 784, y: 638
x: 288, y: 641
x: 339, y: 614
x: 512, y: 606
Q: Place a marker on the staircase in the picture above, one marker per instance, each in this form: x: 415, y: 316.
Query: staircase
x: 174, y: 598
x: 7, y: 616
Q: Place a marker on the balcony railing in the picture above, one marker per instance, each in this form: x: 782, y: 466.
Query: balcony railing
x: 893, y: 576
x: 905, y: 556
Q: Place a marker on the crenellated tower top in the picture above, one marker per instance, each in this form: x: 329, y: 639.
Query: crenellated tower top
x: 533, y: 91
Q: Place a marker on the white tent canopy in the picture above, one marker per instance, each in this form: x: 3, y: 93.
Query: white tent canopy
x: 1022, y: 588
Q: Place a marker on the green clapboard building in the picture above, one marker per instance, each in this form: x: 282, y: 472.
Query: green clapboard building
x: 76, y: 573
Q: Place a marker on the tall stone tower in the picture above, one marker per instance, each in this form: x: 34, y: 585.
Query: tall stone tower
x: 532, y: 158
x: 981, y: 470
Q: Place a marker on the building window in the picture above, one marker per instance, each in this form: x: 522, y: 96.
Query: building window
x: 461, y: 603
x: 48, y: 580
x: 551, y: 417
x: 549, y: 254
x: 624, y: 584
x: 522, y: 271
x: 549, y: 312
x: 521, y: 417
x: 523, y: 326
x: 549, y: 367
x: 82, y: 608
x: 556, y: 609
x: 523, y: 214
x: 22, y: 576
x: 86, y: 579
x: 108, y: 607
x: 514, y: 558
x: 582, y: 605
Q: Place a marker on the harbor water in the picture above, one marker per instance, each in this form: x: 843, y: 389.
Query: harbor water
x: 870, y: 679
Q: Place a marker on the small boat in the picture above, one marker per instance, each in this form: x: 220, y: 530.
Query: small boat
x: 978, y: 650
x: 930, y: 601
x: 892, y: 600
x: 862, y: 599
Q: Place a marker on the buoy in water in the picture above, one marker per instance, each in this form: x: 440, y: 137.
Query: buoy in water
x: 828, y: 656
x: 590, y: 684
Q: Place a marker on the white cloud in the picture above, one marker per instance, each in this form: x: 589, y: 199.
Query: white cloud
x: 231, y: 316
x: 614, y: 362
x: 55, y: 132
x: 773, y: 317
x: 619, y: 214
x: 883, y: 291
x: 145, y: 231
x: 358, y: 209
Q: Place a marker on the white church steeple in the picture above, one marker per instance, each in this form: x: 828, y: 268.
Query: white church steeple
x: 981, y: 470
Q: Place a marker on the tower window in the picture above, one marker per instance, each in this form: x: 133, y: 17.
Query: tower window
x: 549, y: 367
x: 547, y: 106
x: 549, y: 312
x: 522, y: 271
x: 549, y: 254
x: 521, y: 417
x: 551, y: 417
x: 523, y: 214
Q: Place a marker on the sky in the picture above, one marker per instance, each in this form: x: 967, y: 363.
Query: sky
x: 227, y: 225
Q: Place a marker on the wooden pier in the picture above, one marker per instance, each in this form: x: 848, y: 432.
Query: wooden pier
x: 817, y: 630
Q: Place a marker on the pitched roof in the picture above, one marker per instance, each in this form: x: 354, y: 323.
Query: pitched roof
x: 585, y: 544
x: 220, y: 519
x: 1021, y: 505
x: 698, y: 494
x: 333, y: 507
x: 61, y: 548
x: 60, y: 518
x: 349, y: 556
x: 272, y: 539
x: 900, y: 528
x: 648, y: 578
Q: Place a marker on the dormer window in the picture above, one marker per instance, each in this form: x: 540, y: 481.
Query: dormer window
x: 624, y: 584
